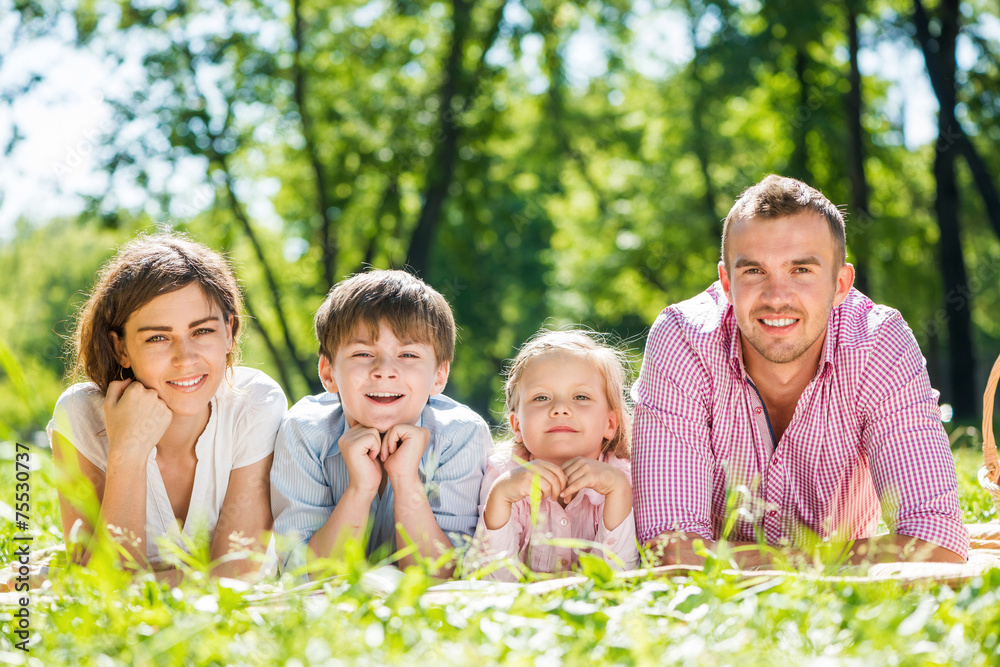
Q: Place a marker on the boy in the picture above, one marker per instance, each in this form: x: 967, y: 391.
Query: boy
x: 381, y: 444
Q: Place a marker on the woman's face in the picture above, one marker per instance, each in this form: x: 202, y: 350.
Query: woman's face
x: 177, y: 345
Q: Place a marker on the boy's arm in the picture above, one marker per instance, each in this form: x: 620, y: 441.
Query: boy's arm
x: 448, y: 500
x: 301, y: 497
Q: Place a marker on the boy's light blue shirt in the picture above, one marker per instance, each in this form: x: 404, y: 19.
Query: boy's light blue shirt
x: 309, y: 476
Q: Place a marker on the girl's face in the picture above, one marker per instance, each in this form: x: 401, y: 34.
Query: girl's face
x: 563, y: 411
x: 177, y: 345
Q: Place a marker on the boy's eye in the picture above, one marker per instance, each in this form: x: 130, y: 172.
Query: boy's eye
x: 410, y: 355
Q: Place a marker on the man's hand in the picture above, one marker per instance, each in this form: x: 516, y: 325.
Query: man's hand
x: 135, y: 419
x: 401, y: 449
x: 360, y: 447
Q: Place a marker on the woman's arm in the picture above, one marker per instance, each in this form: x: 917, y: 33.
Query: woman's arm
x: 247, y: 512
x: 72, y: 467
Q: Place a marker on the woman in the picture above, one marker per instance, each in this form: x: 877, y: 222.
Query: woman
x: 174, y: 439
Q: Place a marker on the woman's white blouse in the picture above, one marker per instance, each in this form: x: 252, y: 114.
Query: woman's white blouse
x: 246, y: 412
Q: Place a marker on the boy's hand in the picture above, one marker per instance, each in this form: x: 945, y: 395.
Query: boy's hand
x: 584, y: 473
x: 402, y: 448
x: 135, y: 419
x: 360, y: 447
x: 516, y: 484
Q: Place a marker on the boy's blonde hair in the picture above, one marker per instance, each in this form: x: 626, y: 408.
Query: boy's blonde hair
x: 610, y: 361
x: 414, y: 310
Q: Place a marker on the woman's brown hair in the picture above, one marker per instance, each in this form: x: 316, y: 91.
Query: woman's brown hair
x: 143, y: 269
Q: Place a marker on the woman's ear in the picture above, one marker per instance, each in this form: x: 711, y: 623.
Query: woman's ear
x: 121, y: 354
x: 229, y: 334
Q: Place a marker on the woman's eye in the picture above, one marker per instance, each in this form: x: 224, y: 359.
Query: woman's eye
x: 199, y: 332
x: 155, y: 339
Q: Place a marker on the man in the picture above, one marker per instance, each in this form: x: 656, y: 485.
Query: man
x: 782, y: 407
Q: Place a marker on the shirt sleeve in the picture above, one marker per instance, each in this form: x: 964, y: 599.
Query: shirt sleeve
x: 911, y: 462
x: 672, y: 459
x: 79, y: 418
x: 452, y: 481
x: 301, y: 499
x: 263, y: 408
x: 489, y: 547
x: 621, y: 541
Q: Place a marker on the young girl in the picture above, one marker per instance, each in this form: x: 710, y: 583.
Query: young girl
x: 173, y: 438
x: 570, y: 428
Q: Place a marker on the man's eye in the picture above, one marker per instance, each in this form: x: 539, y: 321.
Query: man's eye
x: 803, y: 269
x: 751, y: 272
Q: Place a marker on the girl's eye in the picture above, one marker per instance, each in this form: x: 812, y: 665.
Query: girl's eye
x: 582, y: 397
x: 540, y: 398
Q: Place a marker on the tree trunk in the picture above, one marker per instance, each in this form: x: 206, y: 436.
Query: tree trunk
x: 860, y: 219
x: 939, y: 54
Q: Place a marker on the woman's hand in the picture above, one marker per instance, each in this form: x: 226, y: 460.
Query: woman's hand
x: 136, y: 418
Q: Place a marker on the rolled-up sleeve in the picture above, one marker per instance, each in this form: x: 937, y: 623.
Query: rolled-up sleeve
x: 672, y: 460
x: 301, y: 498
x: 908, y: 450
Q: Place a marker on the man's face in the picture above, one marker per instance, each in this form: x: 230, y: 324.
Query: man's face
x: 383, y: 382
x: 783, y: 281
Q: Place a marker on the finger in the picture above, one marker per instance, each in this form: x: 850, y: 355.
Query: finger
x: 116, y: 389
x: 574, y: 464
x: 556, y: 471
x: 553, y: 484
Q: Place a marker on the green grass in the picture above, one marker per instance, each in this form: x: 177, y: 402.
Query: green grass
x: 703, y: 619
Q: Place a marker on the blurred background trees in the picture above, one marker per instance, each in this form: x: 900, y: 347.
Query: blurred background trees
x: 537, y: 161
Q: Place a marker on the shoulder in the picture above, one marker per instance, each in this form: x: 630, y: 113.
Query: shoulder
x: 703, y: 320
x: 500, y: 462
x: 448, y: 415
x: 249, y: 387
x: 79, y: 409
x: 863, y: 325
x: 315, y: 422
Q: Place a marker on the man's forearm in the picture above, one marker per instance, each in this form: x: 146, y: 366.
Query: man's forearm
x: 678, y: 549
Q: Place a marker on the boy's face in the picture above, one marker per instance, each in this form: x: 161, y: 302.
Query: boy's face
x: 383, y: 382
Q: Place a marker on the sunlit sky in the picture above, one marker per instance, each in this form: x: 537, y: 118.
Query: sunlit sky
x: 65, y: 114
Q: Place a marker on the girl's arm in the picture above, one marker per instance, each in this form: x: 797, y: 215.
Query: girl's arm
x: 247, y: 512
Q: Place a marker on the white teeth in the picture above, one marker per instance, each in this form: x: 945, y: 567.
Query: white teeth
x: 382, y: 394
x: 189, y: 383
x: 778, y: 323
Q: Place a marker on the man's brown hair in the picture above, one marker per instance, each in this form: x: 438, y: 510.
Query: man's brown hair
x: 780, y: 197
x: 414, y: 310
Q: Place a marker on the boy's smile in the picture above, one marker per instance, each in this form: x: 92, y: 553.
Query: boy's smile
x: 383, y: 382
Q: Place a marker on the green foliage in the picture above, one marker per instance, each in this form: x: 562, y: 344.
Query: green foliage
x: 379, y: 616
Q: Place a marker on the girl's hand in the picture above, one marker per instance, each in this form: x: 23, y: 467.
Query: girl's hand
x: 583, y: 473
x: 516, y: 484
x: 135, y: 419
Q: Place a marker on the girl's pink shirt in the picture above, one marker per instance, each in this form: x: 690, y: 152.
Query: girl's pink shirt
x: 531, y: 545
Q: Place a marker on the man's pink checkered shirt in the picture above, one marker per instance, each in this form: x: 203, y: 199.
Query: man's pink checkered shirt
x: 866, y: 428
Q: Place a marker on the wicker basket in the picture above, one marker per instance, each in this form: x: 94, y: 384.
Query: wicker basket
x: 990, y: 471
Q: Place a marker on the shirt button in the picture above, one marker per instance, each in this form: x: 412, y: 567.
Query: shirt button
x: 563, y: 522
x: 611, y: 542
x: 772, y: 513
x: 757, y: 410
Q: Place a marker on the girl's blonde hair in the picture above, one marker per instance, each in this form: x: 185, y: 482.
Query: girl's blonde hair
x: 609, y: 360
x: 143, y: 269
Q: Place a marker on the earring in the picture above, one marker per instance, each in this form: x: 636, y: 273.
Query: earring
x: 121, y: 373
